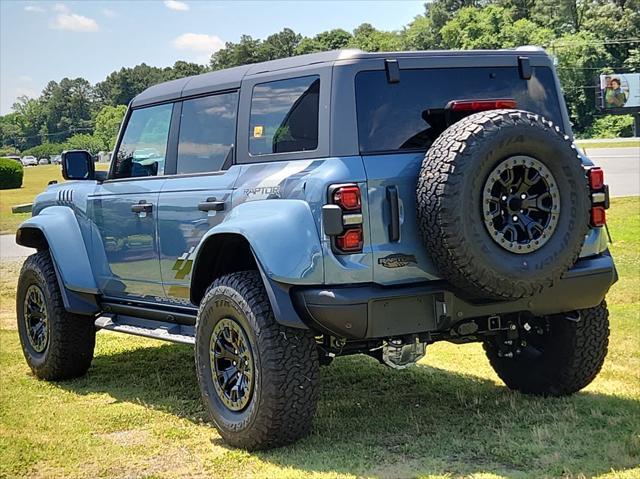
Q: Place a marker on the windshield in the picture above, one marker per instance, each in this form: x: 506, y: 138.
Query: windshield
x: 410, y: 114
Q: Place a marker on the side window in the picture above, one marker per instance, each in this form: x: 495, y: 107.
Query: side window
x: 207, y: 132
x: 144, y: 144
x: 284, y: 116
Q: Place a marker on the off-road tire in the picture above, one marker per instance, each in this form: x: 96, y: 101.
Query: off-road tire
x: 572, y: 357
x: 72, y: 337
x: 285, y: 391
x: 449, y: 199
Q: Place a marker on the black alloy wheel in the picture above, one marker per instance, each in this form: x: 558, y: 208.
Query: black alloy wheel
x: 521, y: 204
x: 232, y: 364
x: 35, y: 318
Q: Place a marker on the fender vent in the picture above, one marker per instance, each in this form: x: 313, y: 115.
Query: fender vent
x: 65, y: 196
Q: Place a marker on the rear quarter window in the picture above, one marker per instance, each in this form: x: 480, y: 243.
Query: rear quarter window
x: 410, y: 115
x: 284, y: 116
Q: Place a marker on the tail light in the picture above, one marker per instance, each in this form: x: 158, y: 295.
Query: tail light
x: 347, y: 197
x: 350, y: 241
x: 598, y: 216
x: 342, y: 218
x: 480, y: 105
x: 599, y: 192
x: 596, y: 178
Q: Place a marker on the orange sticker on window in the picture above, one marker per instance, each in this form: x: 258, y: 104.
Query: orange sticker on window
x: 257, y: 131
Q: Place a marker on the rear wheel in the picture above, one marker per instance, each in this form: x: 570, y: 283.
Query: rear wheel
x: 258, y: 379
x: 56, y: 344
x: 560, y: 355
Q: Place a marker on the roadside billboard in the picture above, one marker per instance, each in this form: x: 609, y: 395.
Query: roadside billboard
x: 620, y: 91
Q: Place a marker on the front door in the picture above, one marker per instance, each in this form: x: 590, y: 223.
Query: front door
x: 124, y: 209
x: 198, y: 196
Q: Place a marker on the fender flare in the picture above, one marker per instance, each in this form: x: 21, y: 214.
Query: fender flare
x: 285, y: 243
x: 60, y: 228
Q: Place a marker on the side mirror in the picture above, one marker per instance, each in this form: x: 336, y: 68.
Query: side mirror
x: 78, y: 165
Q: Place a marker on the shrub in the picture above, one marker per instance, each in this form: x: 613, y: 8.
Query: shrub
x: 46, y: 149
x: 84, y: 142
x: 611, y: 126
x: 9, y: 150
x: 10, y: 174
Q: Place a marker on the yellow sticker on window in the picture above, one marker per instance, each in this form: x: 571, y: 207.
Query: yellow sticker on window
x: 257, y: 131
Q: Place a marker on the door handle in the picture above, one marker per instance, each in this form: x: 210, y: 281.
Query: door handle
x: 211, y: 205
x: 394, y: 226
x: 142, y: 207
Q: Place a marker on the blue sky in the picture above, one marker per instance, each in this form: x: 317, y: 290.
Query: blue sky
x: 42, y: 40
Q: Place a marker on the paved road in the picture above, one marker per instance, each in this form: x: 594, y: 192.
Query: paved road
x: 10, y: 251
x: 621, y: 168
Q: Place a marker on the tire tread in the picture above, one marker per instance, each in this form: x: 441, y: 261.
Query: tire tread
x: 71, y: 345
x: 289, y: 368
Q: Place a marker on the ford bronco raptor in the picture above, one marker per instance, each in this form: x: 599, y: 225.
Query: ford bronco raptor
x: 279, y: 214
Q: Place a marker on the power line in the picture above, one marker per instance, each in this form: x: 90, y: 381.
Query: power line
x: 621, y: 41
x: 595, y: 68
x: 40, y: 135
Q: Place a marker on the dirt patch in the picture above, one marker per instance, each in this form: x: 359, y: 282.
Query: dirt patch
x: 132, y: 437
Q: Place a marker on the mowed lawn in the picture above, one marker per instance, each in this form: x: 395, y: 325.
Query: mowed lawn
x: 34, y: 182
x: 138, y: 414
x: 609, y: 143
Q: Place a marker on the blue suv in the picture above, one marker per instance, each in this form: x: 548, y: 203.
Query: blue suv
x: 279, y: 214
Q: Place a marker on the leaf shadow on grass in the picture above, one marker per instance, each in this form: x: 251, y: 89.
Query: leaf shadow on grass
x: 377, y: 422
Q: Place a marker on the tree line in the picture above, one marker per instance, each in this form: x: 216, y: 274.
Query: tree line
x: 587, y: 37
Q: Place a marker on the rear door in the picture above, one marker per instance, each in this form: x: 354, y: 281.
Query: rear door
x: 397, y: 122
x: 198, y: 195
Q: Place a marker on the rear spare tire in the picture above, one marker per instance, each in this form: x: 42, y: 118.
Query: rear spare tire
x: 503, y: 204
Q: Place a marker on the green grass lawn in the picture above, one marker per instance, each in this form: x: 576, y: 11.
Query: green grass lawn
x: 138, y: 414
x: 34, y: 182
x: 604, y: 143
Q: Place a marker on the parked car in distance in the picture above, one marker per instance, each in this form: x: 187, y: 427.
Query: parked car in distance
x: 56, y: 160
x: 44, y: 161
x: 29, y: 161
x: 14, y: 157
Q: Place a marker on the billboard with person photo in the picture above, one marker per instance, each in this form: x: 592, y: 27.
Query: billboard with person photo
x: 620, y: 90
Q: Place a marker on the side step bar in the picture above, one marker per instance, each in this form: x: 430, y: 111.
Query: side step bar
x: 175, y: 333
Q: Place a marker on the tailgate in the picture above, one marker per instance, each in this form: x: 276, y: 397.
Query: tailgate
x: 398, y: 257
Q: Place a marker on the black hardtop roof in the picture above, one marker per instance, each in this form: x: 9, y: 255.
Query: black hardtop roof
x: 231, y: 78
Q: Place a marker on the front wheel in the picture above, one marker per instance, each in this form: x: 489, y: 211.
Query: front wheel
x: 56, y: 344
x: 258, y: 379
x: 560, y: 357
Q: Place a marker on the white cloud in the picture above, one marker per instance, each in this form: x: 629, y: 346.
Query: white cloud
x: 74, y: 23
x: 34, y: 9
x: 107, y: 12
x: 200, y: 45
x: 60, y: 8
x: 176, y: 5
x: 28, y: 92
x: 198, y: 42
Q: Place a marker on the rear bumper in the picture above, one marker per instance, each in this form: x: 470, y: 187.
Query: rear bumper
x: 373, y: 311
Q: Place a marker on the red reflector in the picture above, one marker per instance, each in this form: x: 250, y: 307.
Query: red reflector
x: 351, y: 240
x: 347, y: 197
x: 481, y: 105
x: 596, y: 178
x: 598, y: 216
